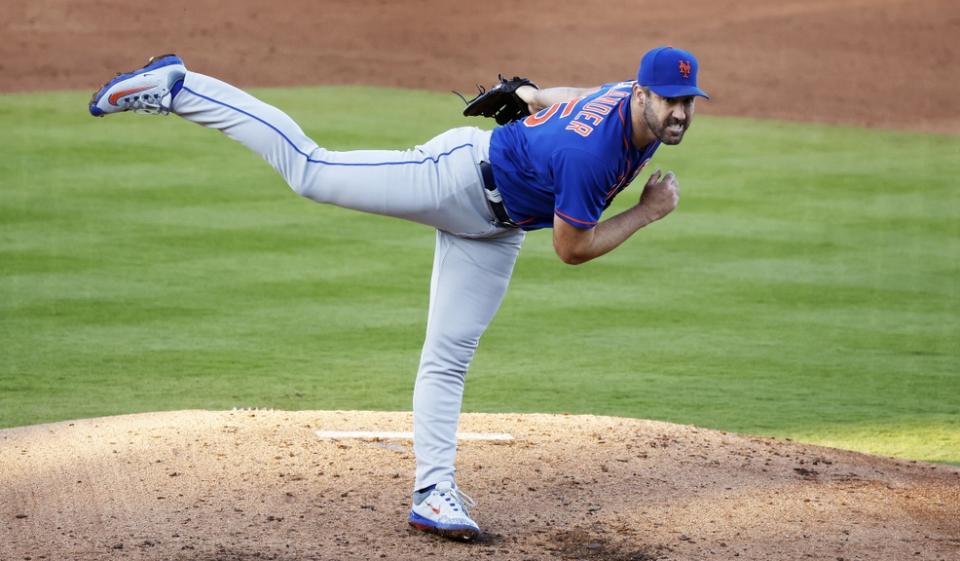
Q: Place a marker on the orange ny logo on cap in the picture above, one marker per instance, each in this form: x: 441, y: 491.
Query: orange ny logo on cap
x: 685, y: 68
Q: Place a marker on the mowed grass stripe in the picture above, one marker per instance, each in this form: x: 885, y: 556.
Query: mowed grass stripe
x: 807, y: 286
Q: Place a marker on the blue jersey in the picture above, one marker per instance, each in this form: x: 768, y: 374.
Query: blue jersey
x: 570, y: 159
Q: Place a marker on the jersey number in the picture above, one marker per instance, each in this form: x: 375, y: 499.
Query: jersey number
x: 544, y: 115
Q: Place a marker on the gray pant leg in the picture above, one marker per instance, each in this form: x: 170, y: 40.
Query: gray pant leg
x: 437, y: 183
x: 470, y: 278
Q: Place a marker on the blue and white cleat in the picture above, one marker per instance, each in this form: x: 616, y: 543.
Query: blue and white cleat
x: 148, y: 90
x: 445, y: 512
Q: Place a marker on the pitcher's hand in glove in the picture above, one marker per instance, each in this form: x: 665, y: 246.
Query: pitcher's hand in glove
x: 500, y: 102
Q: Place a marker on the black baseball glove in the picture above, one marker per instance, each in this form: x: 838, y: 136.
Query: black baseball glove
x: 500, y: 102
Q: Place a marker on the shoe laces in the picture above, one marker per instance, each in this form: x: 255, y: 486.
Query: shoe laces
x: 146, y: 104
x: 464, y: 500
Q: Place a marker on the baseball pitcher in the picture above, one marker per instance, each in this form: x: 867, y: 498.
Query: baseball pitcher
x: 557, y: 162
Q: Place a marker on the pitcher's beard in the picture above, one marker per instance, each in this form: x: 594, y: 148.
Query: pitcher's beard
x: 669, y: 131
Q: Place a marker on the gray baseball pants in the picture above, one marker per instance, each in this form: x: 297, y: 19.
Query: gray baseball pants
x: 438, y: 184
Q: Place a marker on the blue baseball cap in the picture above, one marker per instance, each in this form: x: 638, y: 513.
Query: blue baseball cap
x: 670, y: 72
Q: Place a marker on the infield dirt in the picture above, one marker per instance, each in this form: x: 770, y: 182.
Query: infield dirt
x: 242, y: 485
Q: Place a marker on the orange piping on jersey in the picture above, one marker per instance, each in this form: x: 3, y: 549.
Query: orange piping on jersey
x: 613, y: 190
x: 623, y: 121
x: 578, y: 221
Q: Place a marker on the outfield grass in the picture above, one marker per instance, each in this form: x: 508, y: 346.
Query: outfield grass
x: 806, y: 287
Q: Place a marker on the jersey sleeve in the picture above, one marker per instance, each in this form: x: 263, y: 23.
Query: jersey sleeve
x: 581, y: 187
x: 611, y: 85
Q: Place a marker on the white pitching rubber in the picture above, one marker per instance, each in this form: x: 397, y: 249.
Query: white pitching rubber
x: 387, y: 435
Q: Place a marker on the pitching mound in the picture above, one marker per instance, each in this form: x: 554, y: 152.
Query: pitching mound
x: 243, y: 485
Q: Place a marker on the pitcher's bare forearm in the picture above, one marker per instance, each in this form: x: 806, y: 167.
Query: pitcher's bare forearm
x: 576, y: 246
x: 579, y: 245
x: 541, y: 99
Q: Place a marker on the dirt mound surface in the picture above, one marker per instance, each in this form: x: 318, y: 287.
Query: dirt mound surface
x: 886, y: 63
x: 244, y: 485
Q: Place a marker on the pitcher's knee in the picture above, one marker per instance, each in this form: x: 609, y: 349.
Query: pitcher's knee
x: 302, y: 174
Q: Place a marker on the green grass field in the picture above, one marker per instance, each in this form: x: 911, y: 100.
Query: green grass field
x: 808, y: 286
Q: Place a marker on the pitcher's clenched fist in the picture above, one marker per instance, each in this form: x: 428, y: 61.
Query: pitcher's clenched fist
x: 660, y: 195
